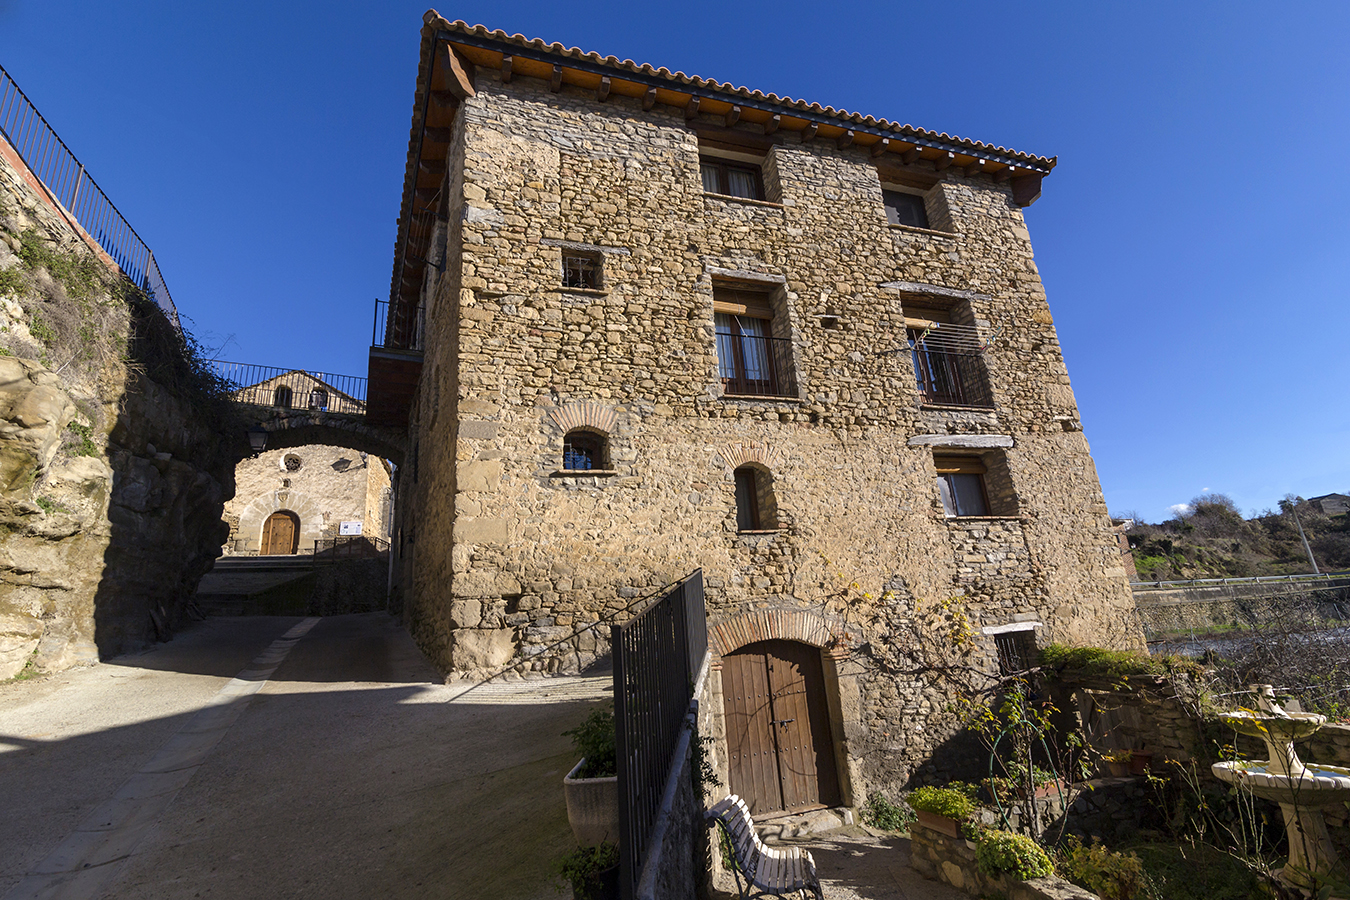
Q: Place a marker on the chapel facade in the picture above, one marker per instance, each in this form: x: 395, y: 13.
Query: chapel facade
x: 666, y: 323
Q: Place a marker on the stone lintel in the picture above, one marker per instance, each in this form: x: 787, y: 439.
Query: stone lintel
x: 744, y: 275
x: 963, y: 441
x: 590, y: 248
x: 937, y: 290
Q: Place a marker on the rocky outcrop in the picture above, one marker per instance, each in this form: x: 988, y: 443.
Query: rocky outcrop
x: 113, y: 464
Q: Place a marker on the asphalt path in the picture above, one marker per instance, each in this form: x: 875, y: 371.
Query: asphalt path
x: 266, y: 757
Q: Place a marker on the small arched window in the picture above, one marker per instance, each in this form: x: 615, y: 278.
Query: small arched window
x: 318, y: 399
x: 282, y: 397
x: 583, y: 451
x: 756, y: 508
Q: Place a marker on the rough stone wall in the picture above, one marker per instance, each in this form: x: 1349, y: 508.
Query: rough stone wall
x: 953, y: 861
x: 332, y: 485
x: 512, y: 553
x: 111, y: 484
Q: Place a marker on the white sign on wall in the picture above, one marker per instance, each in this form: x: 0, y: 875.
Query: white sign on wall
x: 349, y: 528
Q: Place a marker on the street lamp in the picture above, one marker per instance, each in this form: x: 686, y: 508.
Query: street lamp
x: 257, y: 438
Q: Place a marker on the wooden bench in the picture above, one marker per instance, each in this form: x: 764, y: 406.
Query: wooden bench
x: 775, y: 873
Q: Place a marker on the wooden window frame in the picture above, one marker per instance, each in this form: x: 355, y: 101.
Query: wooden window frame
x: 888, y: 196
x: 963, y: 465
x: 723, y: 166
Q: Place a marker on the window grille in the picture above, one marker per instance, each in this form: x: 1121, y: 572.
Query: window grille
x: 581, y: 271
x: 1016, y: 651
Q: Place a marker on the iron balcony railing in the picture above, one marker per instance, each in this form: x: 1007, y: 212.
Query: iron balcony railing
x: 657, y: 657
x: 1255, y: 579
x: 949, y: 365
x: 294, y: 388
x: 755, y: 366
x: 68, y: 183
x: 400, y: 331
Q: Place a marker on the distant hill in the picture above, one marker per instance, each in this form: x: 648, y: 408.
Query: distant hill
x: 1213, y: 540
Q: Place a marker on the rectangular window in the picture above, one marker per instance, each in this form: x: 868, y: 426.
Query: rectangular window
x: 1016, y: 651
x: 904, y: 208
x: 750, y: 360
x: 948, y: 366
x: 960, y: 481
x: 581, y: 270
x: 734, y: 179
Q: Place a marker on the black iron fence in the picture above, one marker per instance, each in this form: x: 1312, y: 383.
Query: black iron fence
x: 65, y: 177
x: 657, y: 655
x: 755, y: 366
x: 294, y: 388
x: 351, y: 546
x: 401, y: 330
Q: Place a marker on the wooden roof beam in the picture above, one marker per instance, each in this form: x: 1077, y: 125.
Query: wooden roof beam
x: 943, y: 162
x: 691, y: 109
x: 432, y: 166
x: 732, y: 117
x: 844, y: 140
x: 439, y: 135
x: 880, y: 148
x: 772, y: 125
x: 506, y: 68
x: 456, y: 72
x: 602, y: 92
x: 1003, y: 175
x: 910, y: 155
x: 649, y: 98
x: 809, y: 132
x: 555, y: 83
x: 973, y: 169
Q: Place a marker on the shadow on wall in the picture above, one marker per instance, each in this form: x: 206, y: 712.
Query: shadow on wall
x: 172, y: 450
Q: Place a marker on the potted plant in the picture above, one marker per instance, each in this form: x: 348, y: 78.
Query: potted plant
x: 942, y: 809
x: 592, y: 787
x: 1118, y: 762
x: 593, y: 872
x: 1140, y: 762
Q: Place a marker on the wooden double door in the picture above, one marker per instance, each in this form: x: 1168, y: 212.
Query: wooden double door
x: 281, y: 534
x: 781, y: 754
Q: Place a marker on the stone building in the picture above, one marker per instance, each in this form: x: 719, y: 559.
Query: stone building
x: 668, y: 323
x: 286, y: 500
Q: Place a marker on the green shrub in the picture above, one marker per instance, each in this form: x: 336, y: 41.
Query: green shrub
x: 1002, y: 852
x: 594, y: 740
x: 581, y: 867
x: 83, y: 444
x: 951, y: 801
x: 1111, y: 876
x: 882, y: 813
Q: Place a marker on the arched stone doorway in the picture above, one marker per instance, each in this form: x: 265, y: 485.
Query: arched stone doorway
x: 780, y: 751
x: 280, y: 534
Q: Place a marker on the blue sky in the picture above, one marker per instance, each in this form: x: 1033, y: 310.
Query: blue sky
x: 1194, y: 240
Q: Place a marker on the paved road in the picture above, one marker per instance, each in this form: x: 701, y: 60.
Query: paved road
x: 270, y: 757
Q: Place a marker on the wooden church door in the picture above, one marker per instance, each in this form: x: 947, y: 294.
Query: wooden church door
x: 281, y: 534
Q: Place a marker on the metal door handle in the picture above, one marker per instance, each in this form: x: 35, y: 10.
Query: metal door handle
x: 783, y: 721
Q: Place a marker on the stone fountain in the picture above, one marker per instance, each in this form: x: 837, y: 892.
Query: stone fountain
x: 1301, y: 790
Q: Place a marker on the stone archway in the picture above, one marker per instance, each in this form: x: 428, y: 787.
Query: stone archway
x: 298, y: 428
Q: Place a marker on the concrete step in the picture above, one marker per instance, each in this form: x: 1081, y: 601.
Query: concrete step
x: 813, y: 822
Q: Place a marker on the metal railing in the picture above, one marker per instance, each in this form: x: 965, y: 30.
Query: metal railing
x: 351, y: 546
x: 755, y: 366
x: 294, y: 388
x: 657, y: 655
x: 65, y: 177
x: 1256, y: 579
x: 401, y: 331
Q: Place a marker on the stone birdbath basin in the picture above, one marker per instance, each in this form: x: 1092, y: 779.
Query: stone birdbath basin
x: 1301, y: 790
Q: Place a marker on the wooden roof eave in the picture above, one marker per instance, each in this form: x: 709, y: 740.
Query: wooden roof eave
x: 588, y: 75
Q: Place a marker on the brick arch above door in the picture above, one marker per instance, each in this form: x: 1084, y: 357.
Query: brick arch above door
x: 801, y: 625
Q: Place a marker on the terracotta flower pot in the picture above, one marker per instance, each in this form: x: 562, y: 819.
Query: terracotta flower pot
x: 1140, y: 762
x: 940, y: 824
x: 1118, y: 769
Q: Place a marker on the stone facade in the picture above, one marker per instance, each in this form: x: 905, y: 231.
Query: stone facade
x: 499, y: 543
x: 322, y: 486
